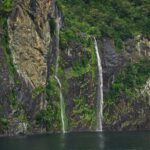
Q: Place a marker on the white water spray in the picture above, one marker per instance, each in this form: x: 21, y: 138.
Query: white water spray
x: 100, y: 90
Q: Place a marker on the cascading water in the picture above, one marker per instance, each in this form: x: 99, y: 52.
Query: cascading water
x: 62, y: 104
x: 100, y: 90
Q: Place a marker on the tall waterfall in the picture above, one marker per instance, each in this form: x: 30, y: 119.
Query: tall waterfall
x: 100, y: 89
x: 62, y: 104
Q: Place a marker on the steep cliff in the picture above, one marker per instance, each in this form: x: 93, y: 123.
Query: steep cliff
x: 25, y: 48
x: 29, y: 41
x: 49, y: 69
x: 127, y: 101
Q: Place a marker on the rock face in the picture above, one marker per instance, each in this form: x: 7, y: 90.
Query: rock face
x: 111, y: 62
x: 24, y: 64
x: 29, y: 92
x: 6, y: 84
x: 127, y: 113
x: 137, y: 48
x: 80, y: 94
x: 29, y: 34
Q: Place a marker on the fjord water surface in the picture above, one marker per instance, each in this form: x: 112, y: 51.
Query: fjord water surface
x: 80, y: 141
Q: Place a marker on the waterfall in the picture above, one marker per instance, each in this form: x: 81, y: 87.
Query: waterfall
x: 62, y: 104
x: 100, y: 89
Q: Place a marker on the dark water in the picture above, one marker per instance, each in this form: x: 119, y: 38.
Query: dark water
x: 80, y: 141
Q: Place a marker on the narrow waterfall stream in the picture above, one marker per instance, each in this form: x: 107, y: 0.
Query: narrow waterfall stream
x: 100, y: 90
x: 62, y: 104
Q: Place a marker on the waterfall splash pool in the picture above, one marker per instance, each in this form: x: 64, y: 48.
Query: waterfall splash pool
x: 79, y: 141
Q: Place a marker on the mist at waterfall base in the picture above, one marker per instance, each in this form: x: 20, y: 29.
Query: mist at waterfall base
x: 80, y: 141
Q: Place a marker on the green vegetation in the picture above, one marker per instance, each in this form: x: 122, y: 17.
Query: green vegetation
x: 82, y: 65
x: 37, y: 91
x: 5, y: 6
x: 3, y: 121
x: 3, y: 124
x: 85, y: 60
x: 13, y: 99
x: 132, y: 77
x: 85, y: 112
x: 44, y: 117
x: 83, y: 19
x: 51, y: 117
x: 117, y: 19
x: 52, y: 113
x: 52, y: 24
x: 4, y: 44
x: 53, y: 97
